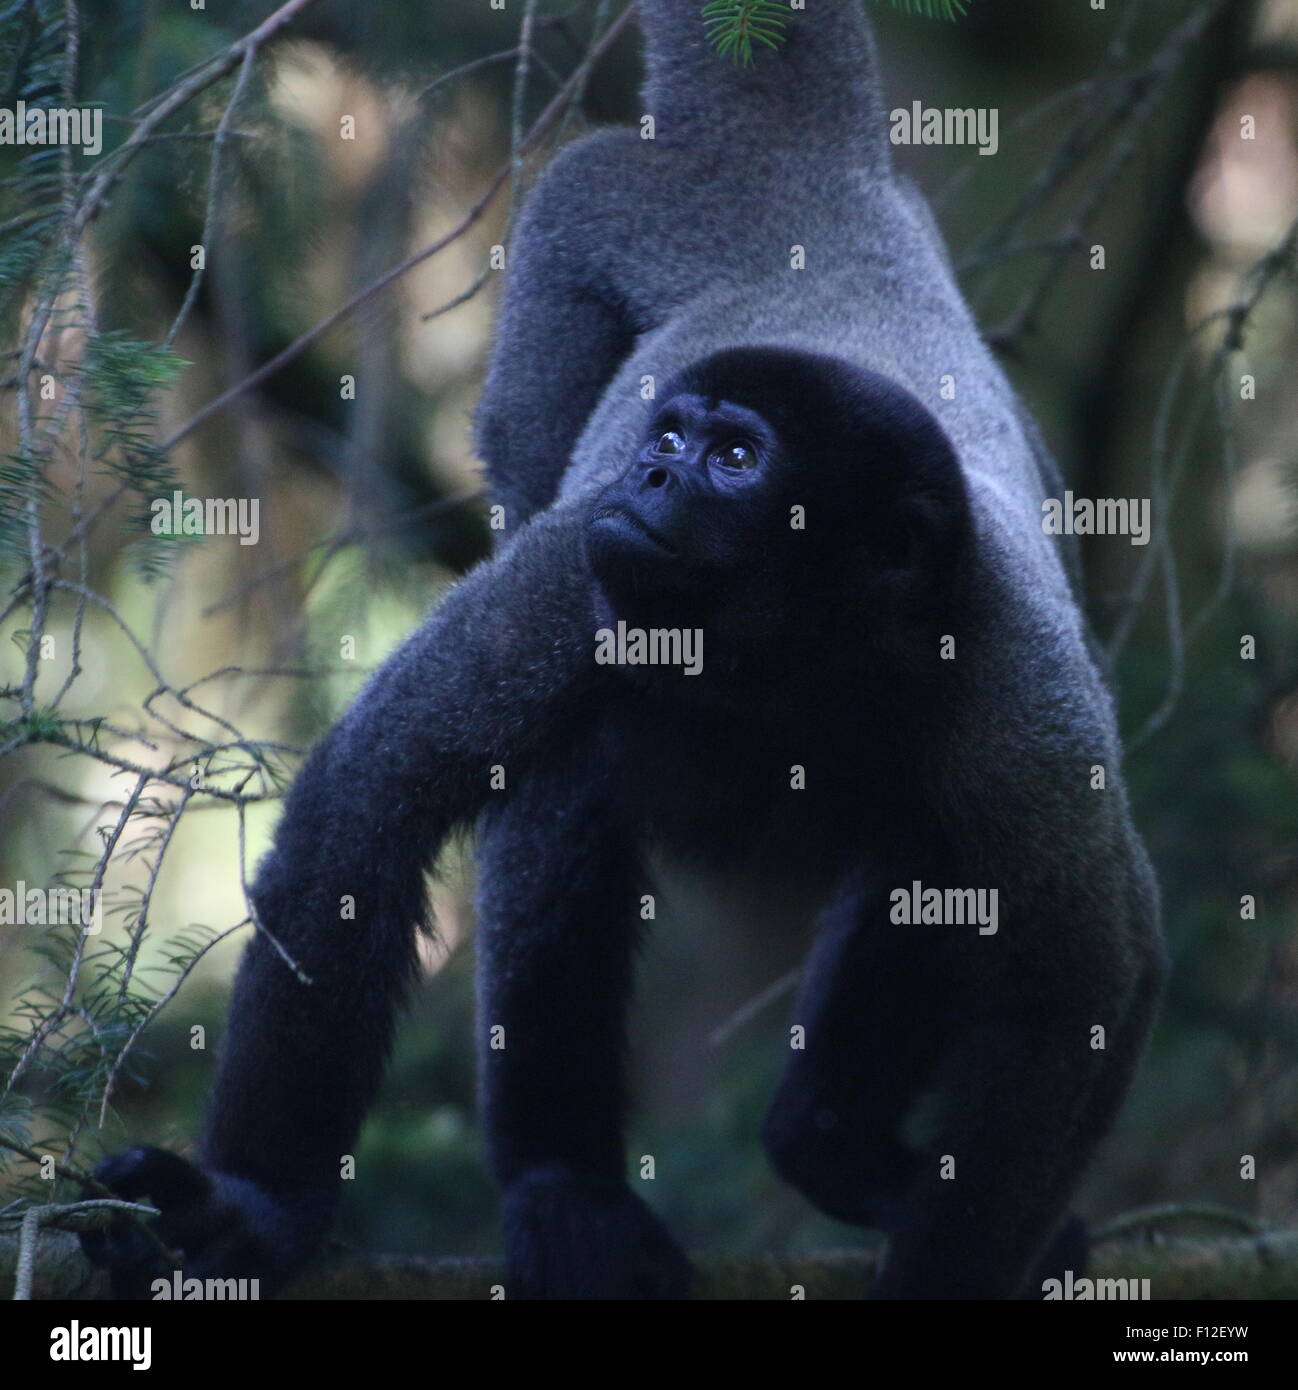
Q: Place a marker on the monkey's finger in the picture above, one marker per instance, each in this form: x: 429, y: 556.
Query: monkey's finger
x: 169, y: 1180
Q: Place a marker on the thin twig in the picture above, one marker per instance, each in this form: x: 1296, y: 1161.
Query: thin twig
x: 300, y: 344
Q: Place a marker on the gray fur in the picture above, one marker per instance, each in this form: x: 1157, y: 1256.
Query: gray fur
x: 636, y: 258
x: 673, y: 248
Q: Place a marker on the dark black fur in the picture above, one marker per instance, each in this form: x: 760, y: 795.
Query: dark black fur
x: 805, y: 630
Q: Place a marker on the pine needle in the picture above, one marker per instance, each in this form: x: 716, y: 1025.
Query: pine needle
x: 734, y: 26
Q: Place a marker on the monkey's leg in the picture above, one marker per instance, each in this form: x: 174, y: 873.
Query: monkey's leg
x: 501, y: 675
x: 873, y: 1016
x: 1026, y: 1098
x: 1069, y: 1250
x: 557, y: 929
x: 342, y: 888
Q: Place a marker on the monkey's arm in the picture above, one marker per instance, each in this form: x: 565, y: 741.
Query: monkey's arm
x: 563, y: 329
x: 491, y: 680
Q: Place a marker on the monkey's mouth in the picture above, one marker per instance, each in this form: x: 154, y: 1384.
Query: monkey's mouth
x: 625, y: 524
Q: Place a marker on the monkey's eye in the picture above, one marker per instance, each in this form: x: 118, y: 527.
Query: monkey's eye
x: 670, y: 443
x: 737, y: 456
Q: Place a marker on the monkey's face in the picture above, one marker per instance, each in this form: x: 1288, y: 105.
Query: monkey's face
x: 779, y: 495
x: 681, y: 525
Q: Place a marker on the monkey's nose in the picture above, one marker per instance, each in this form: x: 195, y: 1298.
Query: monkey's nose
x: 656, y: 477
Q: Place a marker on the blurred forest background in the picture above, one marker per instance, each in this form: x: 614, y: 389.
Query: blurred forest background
x: 142, y: 749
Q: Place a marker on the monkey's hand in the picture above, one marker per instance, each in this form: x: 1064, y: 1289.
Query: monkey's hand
x: 220, y: 1226
x: 576, y: 1237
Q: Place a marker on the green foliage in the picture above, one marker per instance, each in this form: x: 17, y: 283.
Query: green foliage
x: 67, y: 1049
x: 62, y: 1040
x: 40, y: 726
x: 33, y: 62
x: 123, y: 378
x: 934, y: 9
x: 20, y: 481
x: 736, y: 25
x: 22, y: 247
x: 32, y: 59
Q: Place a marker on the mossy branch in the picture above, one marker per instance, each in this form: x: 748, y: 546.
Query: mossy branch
x: 1263, y: 1266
